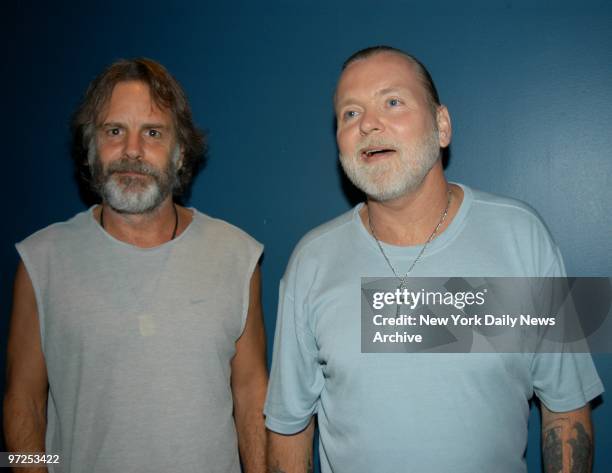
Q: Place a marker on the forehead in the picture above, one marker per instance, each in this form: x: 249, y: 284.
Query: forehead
x: 132, y: 100
x: 382, y: 71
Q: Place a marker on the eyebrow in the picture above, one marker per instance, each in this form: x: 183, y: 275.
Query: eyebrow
x: 388, y: 90
x: 143, y: 126
x: 378, y: 93
x: 154, y: 125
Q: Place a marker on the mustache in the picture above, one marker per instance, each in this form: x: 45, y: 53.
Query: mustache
x: 132, y: 165
x: 377, y: 142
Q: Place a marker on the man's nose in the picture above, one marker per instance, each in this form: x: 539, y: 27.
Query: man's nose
x: 133, y: 145
x: 370, y: 123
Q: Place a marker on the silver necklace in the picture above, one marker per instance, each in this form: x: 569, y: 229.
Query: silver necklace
x: 404, y: 279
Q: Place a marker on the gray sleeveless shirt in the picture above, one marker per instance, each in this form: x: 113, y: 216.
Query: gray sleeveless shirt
x: 138, y: 344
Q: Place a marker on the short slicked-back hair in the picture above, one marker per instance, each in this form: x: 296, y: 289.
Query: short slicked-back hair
x: 165, y: 92
x: 424, y: 75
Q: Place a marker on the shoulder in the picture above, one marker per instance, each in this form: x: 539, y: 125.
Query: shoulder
x: 495, y: 212
x: 58, y: 233
x: 326, y: 237
x: 321, y: 249
x: 516, y: 227
x: 41, y: 249
x: 220, y: 233
x: 505, y: 206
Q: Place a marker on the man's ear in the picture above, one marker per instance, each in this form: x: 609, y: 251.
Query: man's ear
x: 181, y: 158
x: 445, y: 129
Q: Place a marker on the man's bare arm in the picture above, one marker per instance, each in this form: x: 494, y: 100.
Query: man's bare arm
x: 567, y: 441
x: 291, y: 453
x: 25, y: 399
x: 249, y: 383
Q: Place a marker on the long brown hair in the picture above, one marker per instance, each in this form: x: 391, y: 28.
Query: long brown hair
x: 166, y: 93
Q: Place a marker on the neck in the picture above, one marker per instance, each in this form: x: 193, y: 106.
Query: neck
x: 145, y: 230
x: 411, y: 218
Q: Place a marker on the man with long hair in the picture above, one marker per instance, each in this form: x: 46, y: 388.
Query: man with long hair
x: 137, y: 340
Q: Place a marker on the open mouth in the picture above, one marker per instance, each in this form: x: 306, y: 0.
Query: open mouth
x: 373, y: 153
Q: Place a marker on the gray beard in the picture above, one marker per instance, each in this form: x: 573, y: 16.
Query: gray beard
x: 389, y: 180
x: 134, y: 195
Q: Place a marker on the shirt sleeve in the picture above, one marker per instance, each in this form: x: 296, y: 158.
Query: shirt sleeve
x: 564, y: 381
x: 296, y: 378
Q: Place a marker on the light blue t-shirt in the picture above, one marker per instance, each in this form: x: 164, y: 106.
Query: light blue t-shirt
x: 403, y: 412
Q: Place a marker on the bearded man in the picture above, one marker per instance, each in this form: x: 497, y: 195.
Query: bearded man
x: 412, y: 412
x: 137, y: 340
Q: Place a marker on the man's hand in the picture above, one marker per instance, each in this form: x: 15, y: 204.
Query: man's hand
x: 25, y: 398
x: 249, y: 383
x: 291, y: 453
x: 567, y: 441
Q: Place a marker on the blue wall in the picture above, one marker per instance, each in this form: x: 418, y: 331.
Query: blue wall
x: 528, y: 85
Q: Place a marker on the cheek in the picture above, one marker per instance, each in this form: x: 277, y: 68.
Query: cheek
x: 346, y: 141
x: 105, y: 154
x: 158, y: 152
x: 403, y: 127
x: 108, y: 149
x: 408, y: 135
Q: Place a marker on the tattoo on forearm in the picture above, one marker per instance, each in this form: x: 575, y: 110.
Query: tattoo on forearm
x: 559, y: 434
x: 582, y: 447
x: 552, y: 451
x: 309, y: 468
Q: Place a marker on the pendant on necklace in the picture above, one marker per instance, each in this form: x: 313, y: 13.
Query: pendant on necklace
x: 397, y: 312
x: 402, y: 287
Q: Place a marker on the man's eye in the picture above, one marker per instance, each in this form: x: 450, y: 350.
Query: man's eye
x: 113, y: 131
x: 153, y: 133
x: 350, y: 114
x: 394, y: 102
